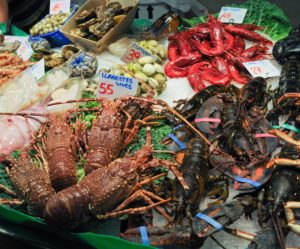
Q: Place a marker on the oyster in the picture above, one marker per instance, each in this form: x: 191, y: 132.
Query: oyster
x: 100, y: 12
x: 85, y: 16
x: 94, y: 24
x: 54, y: 60
x: 79, y: 32
x: 100, y: 29
x: 88, y: 23
x: 69, y: 50
x: 39, y: 44
x: 113, y: 9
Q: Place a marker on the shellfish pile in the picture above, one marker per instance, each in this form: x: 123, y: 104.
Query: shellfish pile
x: 95, y: 23
x: 49, y: 24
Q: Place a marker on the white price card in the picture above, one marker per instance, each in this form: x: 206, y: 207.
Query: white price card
x: 232, y: 15
x: 38, y: 69
x: 134, y: 52
x: 58, y: 6
x: 114, y: 86
x: 12, y: 38
x: 262, y: 68
x: 24, y: 51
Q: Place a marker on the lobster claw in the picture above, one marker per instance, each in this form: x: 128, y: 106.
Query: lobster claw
x: 210, y: 110
x: 258, y: 176
x: 215, y: 218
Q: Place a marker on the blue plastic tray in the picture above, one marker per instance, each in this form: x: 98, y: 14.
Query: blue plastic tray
x: 56, y: 38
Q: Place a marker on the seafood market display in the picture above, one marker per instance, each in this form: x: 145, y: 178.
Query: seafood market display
x: 202, y: 152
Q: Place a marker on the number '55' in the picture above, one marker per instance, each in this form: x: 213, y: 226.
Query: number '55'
x: 106, y: 88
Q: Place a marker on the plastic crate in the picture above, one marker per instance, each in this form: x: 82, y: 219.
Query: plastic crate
x: 56, y: 38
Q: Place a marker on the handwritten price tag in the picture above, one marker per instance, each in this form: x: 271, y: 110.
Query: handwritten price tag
x: 114, y: 86
x: 38, y: 69
x: 134, y: 52
x: 57, y: 6
x: 262, y: 68
x: 232, y: 15
x: 24, y: 51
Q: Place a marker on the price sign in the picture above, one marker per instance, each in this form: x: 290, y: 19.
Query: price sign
x: 38, y: 69
x: 134, y: 52
x: 24, y: 51
x: 58, y: 6
x: 114, y: 86
x: 262, y: 68
x: 232, y: 15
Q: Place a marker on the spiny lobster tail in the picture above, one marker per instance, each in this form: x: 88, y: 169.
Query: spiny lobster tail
x: 69, y: 207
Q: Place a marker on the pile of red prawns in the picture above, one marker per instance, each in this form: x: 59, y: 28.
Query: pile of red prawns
x: 214, y: 52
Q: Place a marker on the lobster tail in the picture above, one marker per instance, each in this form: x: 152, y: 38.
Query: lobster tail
x: 62, y: 169
x: 98, y: 158
x: 69, y: 207
x: 37, y: 195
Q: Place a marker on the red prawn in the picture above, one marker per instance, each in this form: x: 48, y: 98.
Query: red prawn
x: 247, y: 34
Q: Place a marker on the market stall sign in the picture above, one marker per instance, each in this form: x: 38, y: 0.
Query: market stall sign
x: 262, y: 68
x: 232, y: 15
x: 38, y: 69
x: 114, y: 86
x: 58, y: 6
x: 24, y: 51
x: 134, y: 52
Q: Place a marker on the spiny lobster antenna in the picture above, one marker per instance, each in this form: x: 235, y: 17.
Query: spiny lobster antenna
x: 77, y: 101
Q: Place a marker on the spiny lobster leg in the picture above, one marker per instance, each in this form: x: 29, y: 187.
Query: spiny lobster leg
x: 169, y: 165
x: 134, y: 130
x: 38, y: 135
x: 146, y: 196
x: 288, y: 95
x: 7, y: 190
x: 288, y: 208
x: 81, y: 137
x: 132, y: 211
x: 146, y: 181
x: 12, y: 202
x: 41, y: 156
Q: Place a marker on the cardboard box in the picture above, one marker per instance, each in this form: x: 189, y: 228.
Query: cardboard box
x: 119, y: 28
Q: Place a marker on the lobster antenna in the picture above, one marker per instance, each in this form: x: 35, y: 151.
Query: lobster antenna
x: 23, y: 114
x: 76, y: 101
x: 215, y: 240
x: 278, y: 233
